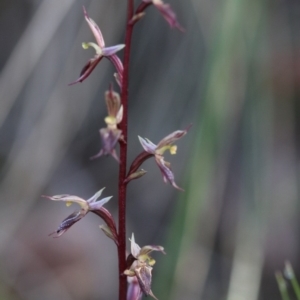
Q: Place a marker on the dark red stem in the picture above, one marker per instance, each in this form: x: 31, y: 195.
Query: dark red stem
x: 142, y: 7
x: 123, y: 158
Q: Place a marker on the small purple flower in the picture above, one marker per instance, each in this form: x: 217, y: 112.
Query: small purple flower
x: 86, y: 205
x: 158, y: 151
x: 111, y: 134
x: 167, y: 13
x: 101, y: 51
x: 140, y: 265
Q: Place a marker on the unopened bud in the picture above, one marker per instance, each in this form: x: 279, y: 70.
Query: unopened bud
x: 137, y: 17
x: 135, y: 175
x: 107, y: 232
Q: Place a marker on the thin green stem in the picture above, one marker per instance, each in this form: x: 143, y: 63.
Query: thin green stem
x: 289, y: 272
x: 296, y: 288
x: 282, y: 286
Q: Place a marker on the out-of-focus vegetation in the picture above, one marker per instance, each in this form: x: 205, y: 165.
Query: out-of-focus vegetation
x: 287, y: 282
x: 234, y: 74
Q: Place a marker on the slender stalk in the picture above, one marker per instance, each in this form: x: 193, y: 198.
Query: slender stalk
x: 282, y: 286
x: 289, y: 273
x: 143, y: 6
x: 295, y: 286
x: 123, y: 159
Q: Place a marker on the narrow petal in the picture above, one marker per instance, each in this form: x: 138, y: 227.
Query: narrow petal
x: 88, y: 69
x: 69, y: 199
x: 117, y: 63
x: 99, y: 154
x: 95, y: 29
x: 109, y: 140
x: 147, y: 249
x: 113, y: 102
x: 144, y: 276
x: 115, y: 155
x: 97, y: 205
x: 96, y: 196
x: 150, y: 143
x: 118, y: 78
x: 108, y: 51
x: 168, y: 14
x: 135, y: 248
x: 68, y: 222
x: 134, y: 291
x: 115, y: 60
x: 166, y: 171
x: 147, y: 145
x: 171, y: 138
x: 119, y: 116
x: 152, y: 295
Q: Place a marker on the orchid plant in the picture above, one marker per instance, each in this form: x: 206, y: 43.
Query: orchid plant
x: 135, y: 269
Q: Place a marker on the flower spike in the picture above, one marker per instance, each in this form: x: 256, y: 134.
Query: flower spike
x: 101, y: 51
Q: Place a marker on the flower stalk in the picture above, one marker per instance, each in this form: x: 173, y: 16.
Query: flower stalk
x: 123, y: 157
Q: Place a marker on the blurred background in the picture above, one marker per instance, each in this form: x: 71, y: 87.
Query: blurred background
x: 234, y: 74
